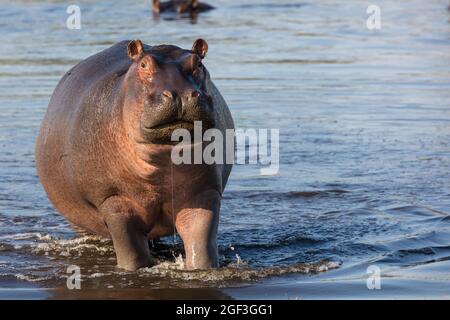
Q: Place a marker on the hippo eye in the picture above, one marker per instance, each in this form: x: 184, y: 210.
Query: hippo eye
x: 197, y: 68
x: 143, y: 65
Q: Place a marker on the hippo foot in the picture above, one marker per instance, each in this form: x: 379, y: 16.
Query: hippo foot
x: 129, y: 238
x: 197, y: 225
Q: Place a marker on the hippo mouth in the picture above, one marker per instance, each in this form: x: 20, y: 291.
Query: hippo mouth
x: 179, y: 124
x: 162, y: 133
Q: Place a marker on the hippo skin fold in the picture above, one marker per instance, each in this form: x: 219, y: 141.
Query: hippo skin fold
x: 103, y: 153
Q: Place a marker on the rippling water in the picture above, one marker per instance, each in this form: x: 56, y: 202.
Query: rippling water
x: 364, y: 120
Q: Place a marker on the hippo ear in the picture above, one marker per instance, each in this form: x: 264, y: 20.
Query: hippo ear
x: 135, y: 50
x: 200, y: 47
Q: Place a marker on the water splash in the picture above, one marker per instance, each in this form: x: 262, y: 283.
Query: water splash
x: 235, y: 272
x: 170, y: 268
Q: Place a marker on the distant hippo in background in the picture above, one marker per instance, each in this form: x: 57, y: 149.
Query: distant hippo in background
x: 180, y: 6
x: 103, y: 153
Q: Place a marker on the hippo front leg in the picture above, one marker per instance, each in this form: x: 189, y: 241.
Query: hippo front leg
x: 128, y: 235
x: 197, y: 225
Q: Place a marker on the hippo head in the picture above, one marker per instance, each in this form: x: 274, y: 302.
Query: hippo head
x: 167, y: 89
x: 179, y: 6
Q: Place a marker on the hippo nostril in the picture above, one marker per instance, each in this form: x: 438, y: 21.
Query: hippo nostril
x: 168, y: 94
x: 195, y: 94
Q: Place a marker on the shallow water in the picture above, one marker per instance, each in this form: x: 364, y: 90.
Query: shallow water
x: 364, y: 179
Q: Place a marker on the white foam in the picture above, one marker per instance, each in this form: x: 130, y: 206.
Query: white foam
x: 74, y: 247
x: 98, y: 275
x: 27, y: 236
x: 24, y: 277
x: 233, y: 272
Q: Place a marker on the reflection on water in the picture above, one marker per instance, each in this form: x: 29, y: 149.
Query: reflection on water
x: 364, y: 124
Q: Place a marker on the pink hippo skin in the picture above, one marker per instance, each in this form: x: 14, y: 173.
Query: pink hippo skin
x: 104, y: 149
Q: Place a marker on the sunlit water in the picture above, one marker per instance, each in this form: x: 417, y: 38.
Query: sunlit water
x: 364, y: 119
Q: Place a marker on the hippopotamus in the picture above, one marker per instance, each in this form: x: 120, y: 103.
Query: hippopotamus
x: 103, y: 153
x: 180, y: 6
